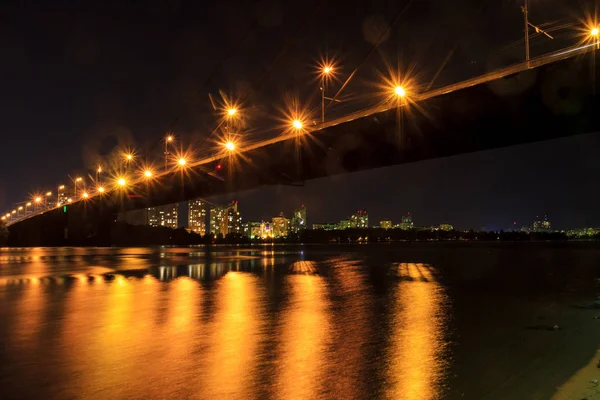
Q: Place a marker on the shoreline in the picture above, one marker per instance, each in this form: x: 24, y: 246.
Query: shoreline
x: 580, y: 385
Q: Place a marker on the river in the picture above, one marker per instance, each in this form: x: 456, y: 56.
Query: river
x: 401, y: 321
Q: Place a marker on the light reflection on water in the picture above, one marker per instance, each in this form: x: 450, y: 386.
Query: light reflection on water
x: 100, y: 323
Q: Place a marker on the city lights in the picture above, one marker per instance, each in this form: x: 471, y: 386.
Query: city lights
x: 232, y: 111
x: 38, y: 199
x: 121, y: 182
x: 101, y: 189
x: 148, y: 173
x: 182, y: 161
x: 48, y: 193
x: 594, y: 32
x: 78, y: 179
x: 169, y: 138
x: 85, y: 195
x: 297, y: 124
x: 230, y: 146
x: 28, y: 204
x: 129, y: 157
x: 69, y: 200
x: 61, y: 187
x: 14, y: 211
x: 327, y: 70
x: 20, y: 208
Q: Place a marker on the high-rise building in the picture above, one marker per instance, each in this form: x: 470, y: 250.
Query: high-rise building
x: 166, y: 215
x: 197, y: 216
x: 385, y: 224
x: 360, y: 219
x: 542, y: 225
x: 299, y: 220
x: 280, y: 226
x: 266, y: 230
x: 234, y: 218
x: 407, y: 222
x: 345, y: 224
x: 253, y: 230
x: 225, y: 219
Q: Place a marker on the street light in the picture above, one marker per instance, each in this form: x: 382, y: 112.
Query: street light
x: 230, y: 146
x: 595, y: 33
x: 19, y: 209
x: 148, y: 174
x: 85, y: 195
x: 327, y: 70
x: 182, y: 161
x: 297, y: 124
x: 27, y: 205
x: 101, y: 189
x: 121, y: 182
x: 399, y: 91
x: 168, y: 139
x: 98, y: 172
x: 78, y: 179
x: 231, y: 112
x: 61, y: 187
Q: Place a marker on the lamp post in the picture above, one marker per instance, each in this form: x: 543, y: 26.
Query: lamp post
x: 168, y: 139
x: 78, y: 179
x: 60, y: 188
x: 324, y: 75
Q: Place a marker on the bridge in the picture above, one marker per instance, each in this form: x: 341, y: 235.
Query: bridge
x: 547, y: 97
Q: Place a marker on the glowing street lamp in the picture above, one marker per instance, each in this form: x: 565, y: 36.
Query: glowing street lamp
x: 148, y: 174
x: 101, y: 189
x: 182, y: 162
x: 399, y: 91
x: 121, y: 182
x: 231, y: 112
x: 85, y: 195
x: 230, y: 146
x: 27, y: 205
x: 595, y: 34
x: 19, y: 210
x: 98, y: 172
x: 297, y: 124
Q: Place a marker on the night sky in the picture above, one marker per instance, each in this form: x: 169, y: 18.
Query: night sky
x: 81, y: 80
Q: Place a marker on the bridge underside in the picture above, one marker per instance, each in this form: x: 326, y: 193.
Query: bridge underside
x: 549, y: 102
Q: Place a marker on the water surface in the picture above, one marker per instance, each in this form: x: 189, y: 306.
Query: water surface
x: 292, y: 322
